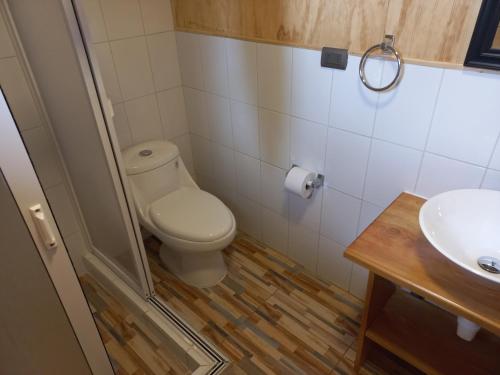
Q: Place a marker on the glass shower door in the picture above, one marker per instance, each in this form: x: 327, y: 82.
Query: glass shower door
x: 69, y: 95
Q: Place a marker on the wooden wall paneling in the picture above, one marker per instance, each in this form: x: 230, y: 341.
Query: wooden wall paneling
x: 426, y: 30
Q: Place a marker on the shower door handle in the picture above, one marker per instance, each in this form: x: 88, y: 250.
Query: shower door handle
x: 43, y: 226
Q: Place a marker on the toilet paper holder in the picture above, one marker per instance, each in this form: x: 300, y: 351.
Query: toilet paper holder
x: 315, y: 183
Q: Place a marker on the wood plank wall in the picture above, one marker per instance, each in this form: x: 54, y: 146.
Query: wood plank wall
x: 427, y: 31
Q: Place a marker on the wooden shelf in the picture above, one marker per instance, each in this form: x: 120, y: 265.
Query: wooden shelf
x: 424, y: 336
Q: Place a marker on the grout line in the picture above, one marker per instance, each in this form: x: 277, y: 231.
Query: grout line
x: 429, y: 131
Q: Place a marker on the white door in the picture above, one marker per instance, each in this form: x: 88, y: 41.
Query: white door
x: 46, y: 324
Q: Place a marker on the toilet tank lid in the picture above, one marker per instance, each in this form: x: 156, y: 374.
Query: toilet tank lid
x: 148, y: 155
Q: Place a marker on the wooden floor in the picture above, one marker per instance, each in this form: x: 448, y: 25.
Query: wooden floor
x: 133, y: 347
x: 268, y: 315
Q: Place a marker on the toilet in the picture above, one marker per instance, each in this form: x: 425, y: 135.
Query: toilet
x: 193, y: 225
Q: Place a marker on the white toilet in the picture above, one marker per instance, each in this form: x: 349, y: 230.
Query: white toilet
x: 193, y: 225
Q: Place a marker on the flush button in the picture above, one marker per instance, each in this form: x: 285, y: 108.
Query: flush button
x: 146, y: 153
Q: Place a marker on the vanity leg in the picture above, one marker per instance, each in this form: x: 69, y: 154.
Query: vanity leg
x: 378, y: 291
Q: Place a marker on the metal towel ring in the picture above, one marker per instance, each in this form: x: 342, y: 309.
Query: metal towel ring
x: 387, y: 47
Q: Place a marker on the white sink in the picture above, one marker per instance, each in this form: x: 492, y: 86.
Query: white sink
x: 464, y: 225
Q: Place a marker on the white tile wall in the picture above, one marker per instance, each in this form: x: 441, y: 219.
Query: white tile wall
x: 275, y: 77
x: 164, y: 63
x: 122, y: 18
x: 466, y: 124
x: 274, y: 130
x: 144, y: 119
x: 311, y: 86
x: 308, y: 144
x: 133, y: 67
x: 242, y: 70
x: 245, y: 122
x: 214, y: 67
x: 353, y: 107
x: 432, y: 133
x: 346, y: 161
x: 440, y: 174
x: 157, y: 16
x: 391, y: 170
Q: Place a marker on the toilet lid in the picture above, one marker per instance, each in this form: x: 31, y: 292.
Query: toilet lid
x: 192, y: 214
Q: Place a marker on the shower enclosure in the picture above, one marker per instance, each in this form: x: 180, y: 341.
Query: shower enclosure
x: 87, y: 142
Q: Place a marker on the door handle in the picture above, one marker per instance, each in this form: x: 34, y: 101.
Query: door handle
x: 43, y: 226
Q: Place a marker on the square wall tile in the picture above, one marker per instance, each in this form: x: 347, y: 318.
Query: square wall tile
x: 224, y: 166
x: 219, y: 119
x: 369, y: 212
x: 214, y: 67
x: 466, y: 124
x: 108, y: 72
x: 392, y: 169
x: 189, y: 52
x: 353, y: 106
x: 439, y: 174
x: 491, y: 180
x: 311, y: 86
x: 275, y: 77
x: 340, y: 216
x: 333, y: 267
x: 18, y: 94
x: 245, y: 121
x: 303, y: 246
x: 94, y: 20
x: 196, y: 112
x: 346, y: 161
x: 144, y: 119
x: 63, y: 209
x: 164, y: 62
x: 172, y: 112
x: 248, y: 218
x: 306, y: 212
x: 274, y: 230
x: 42, y: 151
x: 122, y: 127
x: 404, y: 114
x: 157, y: 16
x: 123, y: 18
x: 132, y: 67
x: 308, y: 144
x: 274, y: 129
x: 242, y: 70
x: 273, y: 193
x: 359, y: 281
x: 248, y: 176
x: 495, y: 159
x: 202, y: 156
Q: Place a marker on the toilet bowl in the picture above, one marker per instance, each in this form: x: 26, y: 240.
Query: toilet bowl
x: 193, y: 225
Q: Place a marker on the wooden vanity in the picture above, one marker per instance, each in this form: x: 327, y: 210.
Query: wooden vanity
x: 398, y: 255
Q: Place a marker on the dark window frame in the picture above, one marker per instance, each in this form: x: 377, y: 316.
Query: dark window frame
x: 480, y: 53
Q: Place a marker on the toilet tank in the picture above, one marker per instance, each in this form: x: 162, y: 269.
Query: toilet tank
x: 152, y: 170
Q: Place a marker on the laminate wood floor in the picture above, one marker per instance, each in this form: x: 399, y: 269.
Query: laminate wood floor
x: 133, y: 347
x: 268, y: 315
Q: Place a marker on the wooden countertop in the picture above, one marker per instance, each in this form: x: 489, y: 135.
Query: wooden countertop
x: 394, y: 247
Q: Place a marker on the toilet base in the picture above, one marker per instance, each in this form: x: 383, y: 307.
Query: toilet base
x: 198, y: 269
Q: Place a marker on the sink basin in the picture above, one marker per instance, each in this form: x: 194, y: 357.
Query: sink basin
x: 464, y: 225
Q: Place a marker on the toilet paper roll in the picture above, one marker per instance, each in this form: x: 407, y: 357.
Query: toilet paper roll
x: 296, y: 182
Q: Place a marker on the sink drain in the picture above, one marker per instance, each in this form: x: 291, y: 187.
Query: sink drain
x: 490, y: 264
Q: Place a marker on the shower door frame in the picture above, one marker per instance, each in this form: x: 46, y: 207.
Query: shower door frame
x: 21, y: 178
x: 103, y: 112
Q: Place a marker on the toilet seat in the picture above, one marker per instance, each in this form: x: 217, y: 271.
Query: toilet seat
x: 192, y: 215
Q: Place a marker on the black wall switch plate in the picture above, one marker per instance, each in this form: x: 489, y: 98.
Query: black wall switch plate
x: 335, y: 58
